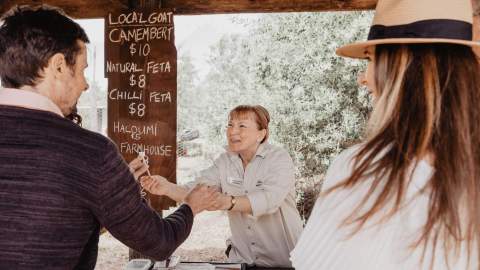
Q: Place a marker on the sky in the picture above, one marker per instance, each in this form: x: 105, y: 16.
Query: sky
x: 193, y: 35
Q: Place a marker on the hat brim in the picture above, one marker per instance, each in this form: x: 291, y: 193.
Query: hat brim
x: 358, y: 49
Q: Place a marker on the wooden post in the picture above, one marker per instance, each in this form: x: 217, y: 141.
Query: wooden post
x: 141, y: 4
x: 139, y: 110
x: 136, y: 4
x: 144, y: 4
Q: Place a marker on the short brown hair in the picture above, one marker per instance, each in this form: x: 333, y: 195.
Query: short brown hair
x: 261, y: 116
x: 29, y: 36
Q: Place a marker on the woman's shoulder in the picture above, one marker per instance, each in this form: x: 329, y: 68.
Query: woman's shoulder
x: 222, y: 157
x: 348, y: 155
x: 274, y: 154
x: 273, y: 150
x: 341, y: 166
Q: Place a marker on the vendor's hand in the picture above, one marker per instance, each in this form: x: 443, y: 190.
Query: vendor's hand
x: 202, y: 197
x: 155, y: 184
x: 223, y: 202
x: 137, y: 167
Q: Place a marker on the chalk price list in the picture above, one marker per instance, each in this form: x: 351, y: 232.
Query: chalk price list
x: 140, y: 64
x: 137, y: 30
x: 143, y: 50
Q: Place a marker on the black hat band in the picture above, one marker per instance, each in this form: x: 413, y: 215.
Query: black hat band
x: 432, y: 29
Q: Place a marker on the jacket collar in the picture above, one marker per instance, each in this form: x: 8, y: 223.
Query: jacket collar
x: 28, y: 99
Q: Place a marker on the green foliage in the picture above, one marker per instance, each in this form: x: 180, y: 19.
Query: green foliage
x: 186, y: 96
x: 317, y: 107
x: 317, y: 104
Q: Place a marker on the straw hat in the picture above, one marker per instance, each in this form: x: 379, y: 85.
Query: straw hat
x: 417, y: 21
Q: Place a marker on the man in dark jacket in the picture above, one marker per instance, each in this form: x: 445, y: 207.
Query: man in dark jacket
x: 60, y: 183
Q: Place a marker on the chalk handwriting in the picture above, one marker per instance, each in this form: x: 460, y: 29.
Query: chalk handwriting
x: 120, y: 35
x: 150, y: 149
x: 136, y: 131
x: 137, y: 18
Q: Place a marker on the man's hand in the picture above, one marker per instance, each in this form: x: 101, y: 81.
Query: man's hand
x: 137, y: 167
x: 156, y: 184
x: 223, y: 202
x: 202, y: 197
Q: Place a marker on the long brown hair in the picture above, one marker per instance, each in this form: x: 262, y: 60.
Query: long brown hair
x: 428, y: 107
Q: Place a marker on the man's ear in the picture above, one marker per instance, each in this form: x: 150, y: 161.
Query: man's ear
x: 57, y: 64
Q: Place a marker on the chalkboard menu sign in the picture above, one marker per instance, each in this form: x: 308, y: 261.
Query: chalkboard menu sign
x: 141, y: 67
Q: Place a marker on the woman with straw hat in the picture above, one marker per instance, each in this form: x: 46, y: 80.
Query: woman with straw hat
x: 407, y: 197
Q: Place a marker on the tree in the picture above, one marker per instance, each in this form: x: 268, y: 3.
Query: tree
x: 186, y: 95
x: 286, y: 62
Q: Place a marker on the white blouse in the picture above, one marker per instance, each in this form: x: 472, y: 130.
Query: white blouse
x: 325, y: 244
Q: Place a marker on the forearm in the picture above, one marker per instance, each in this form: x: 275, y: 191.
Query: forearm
x: 118, y: 206
x: 153, y: 236
x: 116, y: 203
x: 242, y: 205
x: 176, y: 192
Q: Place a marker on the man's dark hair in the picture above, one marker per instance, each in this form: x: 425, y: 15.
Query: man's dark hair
x: 29, y: 36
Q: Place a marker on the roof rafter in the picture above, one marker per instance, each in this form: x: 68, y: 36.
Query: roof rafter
x: 99, y: 8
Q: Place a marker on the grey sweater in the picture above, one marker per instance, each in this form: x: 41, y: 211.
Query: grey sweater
x: 58, y: 184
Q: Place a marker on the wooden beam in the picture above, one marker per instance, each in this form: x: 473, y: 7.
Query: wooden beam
x: 79, y: 9
x: 145, y: 4
x: 99, y: 8
x: 255, y: 6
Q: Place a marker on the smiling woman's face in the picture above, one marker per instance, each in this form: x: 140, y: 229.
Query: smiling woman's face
x: 243, y: 135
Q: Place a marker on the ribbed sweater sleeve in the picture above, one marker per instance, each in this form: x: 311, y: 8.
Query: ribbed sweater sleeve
x: 58, y: 184
x: 127, y: 217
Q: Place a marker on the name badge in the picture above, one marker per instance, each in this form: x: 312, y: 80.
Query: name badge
x: 235, y: 180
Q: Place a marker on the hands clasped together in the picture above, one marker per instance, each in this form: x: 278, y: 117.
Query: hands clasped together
x: 201, y: 197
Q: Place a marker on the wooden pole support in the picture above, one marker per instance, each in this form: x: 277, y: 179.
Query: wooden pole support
x: 142, y: 5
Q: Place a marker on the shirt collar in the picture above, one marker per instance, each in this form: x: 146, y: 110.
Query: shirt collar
x: 28, y: 99
x: 261, y: 151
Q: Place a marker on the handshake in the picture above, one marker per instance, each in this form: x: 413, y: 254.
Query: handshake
x: 201, y: 197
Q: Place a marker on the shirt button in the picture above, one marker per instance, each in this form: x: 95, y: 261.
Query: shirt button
x: 253, y: 243
x: 246, y: 191
x: 249, y: 227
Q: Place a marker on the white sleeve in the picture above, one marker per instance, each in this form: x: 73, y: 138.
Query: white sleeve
x: 276, y: 186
